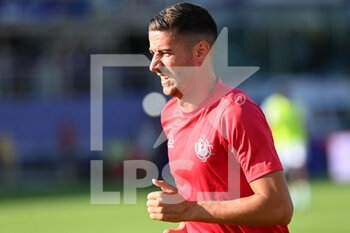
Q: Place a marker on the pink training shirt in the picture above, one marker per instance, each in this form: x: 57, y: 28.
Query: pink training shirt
x: 217, y: 149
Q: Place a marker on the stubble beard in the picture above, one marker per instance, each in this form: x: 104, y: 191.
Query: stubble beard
x: 172, y: 91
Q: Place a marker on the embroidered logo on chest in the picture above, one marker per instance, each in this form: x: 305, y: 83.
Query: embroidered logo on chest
x: 203, y: 149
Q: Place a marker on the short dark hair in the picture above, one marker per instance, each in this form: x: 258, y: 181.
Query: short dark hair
x: 185, y: 19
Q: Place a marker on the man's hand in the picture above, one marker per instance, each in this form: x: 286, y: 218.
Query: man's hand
x: 167, y: 205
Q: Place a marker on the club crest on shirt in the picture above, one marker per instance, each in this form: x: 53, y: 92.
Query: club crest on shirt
x: 203, y: 149
x: 171, y: 141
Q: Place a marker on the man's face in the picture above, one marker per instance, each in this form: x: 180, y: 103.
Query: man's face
x: 171, y: 55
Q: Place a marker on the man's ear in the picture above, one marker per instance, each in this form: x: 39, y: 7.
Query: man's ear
x: 201, y: 51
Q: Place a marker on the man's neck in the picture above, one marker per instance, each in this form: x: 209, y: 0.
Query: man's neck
x: 198, y: 94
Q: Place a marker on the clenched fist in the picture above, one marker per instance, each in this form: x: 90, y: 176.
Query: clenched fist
x: 167, y: 205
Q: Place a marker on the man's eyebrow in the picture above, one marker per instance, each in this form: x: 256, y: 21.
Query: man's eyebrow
x: 161, y: 50
x: 165, y: 50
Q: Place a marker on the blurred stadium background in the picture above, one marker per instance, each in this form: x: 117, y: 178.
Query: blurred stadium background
x: 301, y: 47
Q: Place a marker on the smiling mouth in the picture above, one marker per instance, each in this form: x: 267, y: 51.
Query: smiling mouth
x: 164, y: 79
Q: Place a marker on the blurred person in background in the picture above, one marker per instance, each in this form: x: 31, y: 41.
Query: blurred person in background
x: 286, y: 118
x: 68, y: 152
x: 338, y: 155
x: 181, y: 36
x: 7, y: 160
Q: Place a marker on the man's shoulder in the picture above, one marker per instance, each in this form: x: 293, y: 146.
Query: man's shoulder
x: 237, y: 104
x: 235, y: 99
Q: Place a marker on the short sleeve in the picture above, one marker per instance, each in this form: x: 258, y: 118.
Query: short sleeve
x: 246, y: 130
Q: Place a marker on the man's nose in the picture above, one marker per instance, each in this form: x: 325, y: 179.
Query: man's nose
x: 155, y: 65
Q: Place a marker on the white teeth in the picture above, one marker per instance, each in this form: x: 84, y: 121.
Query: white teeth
x: 164, y: 81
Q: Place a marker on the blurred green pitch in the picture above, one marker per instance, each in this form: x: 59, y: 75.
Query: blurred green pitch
x: 329, y: 212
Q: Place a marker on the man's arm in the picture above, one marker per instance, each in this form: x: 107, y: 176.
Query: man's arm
x: 269, y: 205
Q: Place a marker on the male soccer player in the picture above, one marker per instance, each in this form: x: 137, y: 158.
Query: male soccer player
x: 221, y: 152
